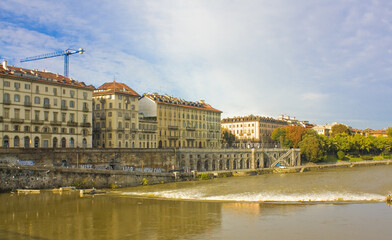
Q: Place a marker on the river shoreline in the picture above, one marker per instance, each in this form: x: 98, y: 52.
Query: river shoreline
x: 16, y: 177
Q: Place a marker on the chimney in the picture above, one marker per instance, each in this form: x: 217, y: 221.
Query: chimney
x: 5, y: 64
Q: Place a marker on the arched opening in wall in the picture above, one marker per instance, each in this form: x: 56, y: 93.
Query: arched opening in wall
x: 191, y: 165
x: 227, y: 164
x: 72, y: 143
x: 213, y: 165
x: 6, y: 142
x: 199, y: 165
x: 199, y: 144
x: 16, y: 141
x: 234, y: 164
x: 220, y: 165
x: 119, y: 144
x: 133, y: 144
x: 54, y: 142
x: 63, y: 143
x: 84, y: 142
x: 36, y: 142
x: 182, y: 164
x: 258, y: 164
x: 160, y: 144
x: 26, y: 142
x: 179, y: 144
x: 206, y: 165
x: 64, y: 163
x: 126, y: 144
x: 241, y: 164
x: 247, y: 164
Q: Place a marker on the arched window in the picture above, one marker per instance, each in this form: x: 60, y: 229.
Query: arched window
x: 6, y: 142
x: 17, y: 98
x: 54, y: 142
x: 36, y: 142
x: 27, y: 100
x: 16, y: 141
x: 71, y: 104
x: 46, y: 102
x: 63, y: 143
x: 72, y: 143
x: 26, y: 142
x: 84, y: 142
x: 37, y: 100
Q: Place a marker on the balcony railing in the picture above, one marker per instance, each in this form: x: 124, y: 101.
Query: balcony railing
x: 17, y: 120
x: 85, y: 124
x: 72, y: 124
x: 36, y: 121
x: 190, y: 128
x: 7, y: 101
x: 173, y: 127
x: 27, y: 104
x: 63, y: 107
x: 55, y: 123
x: 47, y: 105
x: 127, y: 117
x: 85, y: 109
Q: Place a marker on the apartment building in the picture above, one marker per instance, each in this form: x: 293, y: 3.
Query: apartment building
x: 181, y: 123
x: 253, y: 131
x: 42, y: 109
x: 116, y: 119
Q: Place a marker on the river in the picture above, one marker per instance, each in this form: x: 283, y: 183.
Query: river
x: 344, y: 203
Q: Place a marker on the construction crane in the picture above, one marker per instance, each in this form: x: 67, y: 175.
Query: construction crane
x: 65, y: 53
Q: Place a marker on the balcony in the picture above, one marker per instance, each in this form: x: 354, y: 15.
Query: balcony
x: 36, y: 121
x: 27, y: 104
x: 85, y: 109
x: 7, y: 101
x: 133, y: 129
x: 173, y: 127
x: 190, y: 138
x: 85, y: 124
x: 173, y: 137
x: 149, y: 130
x: 55, y: 123
x: 72, y: 124
x: 47, y: 105
x: 190, y: 128
x: 127, y: 117
x: 17, y: 120
x: 102, y: 117
x: 121, y: 129
x: 63, y: 107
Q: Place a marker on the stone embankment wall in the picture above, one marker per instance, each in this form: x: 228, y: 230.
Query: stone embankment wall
x: 14, y: 177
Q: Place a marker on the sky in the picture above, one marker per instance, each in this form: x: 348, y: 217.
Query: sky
x: 322, y: 61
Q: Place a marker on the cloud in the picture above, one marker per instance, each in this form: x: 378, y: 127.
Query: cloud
x: 243, y: 57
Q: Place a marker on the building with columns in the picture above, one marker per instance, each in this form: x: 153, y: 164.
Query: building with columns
x: 116, y: 119
x: 253, y: 131
x: 182, y: 124
x: 43, y: 110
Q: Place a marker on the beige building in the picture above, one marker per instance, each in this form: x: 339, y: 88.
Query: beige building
x: 253, y: 131
x: 182, y: 124
x: 116, y: 119
x: 43, y: 109
x: 148, y: 132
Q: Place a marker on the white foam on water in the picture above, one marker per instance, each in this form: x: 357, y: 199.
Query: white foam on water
x: 264, y: 196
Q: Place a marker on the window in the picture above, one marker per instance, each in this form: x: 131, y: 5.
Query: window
x: 6, y: 98
x: 17, y: 85
x: 71, y: 104
x: 37, y: 100
x: 72, y: 93
x: 6, y: 84
x: 16, y: 98
x: 27, y: 114
x: 63, y: 115
x: 71, y: 117
x: 55, y: 116
x: 119, y: 114
x: 36, y: 115
x: 46, y: 102
x: 109, y: 114
x: 55, y: 102
x: 85, y: 95
x: 119, y: 105
x: 46, y: 116
x: 36, y: 89
x: 110, y: 105
x: 46, y: 89
x: 55, y: 91
x: 27, y: 99
x: 17, y: 113
x: 27, y: 86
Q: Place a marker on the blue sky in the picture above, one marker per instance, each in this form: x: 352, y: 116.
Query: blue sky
x: 324, y: 61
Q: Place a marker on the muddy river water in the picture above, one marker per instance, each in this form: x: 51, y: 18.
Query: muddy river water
x: 331, y: 204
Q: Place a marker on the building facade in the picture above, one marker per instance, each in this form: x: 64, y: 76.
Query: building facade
x: 116, y: 119
x: 182, y: 124
x: 42, y: 109
x: 253, y: 131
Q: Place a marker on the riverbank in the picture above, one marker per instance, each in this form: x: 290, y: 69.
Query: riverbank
x: 15, y: 177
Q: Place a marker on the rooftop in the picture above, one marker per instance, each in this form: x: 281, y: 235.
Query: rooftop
x: 252, y: 118
x: 169, y: 100
x: 115, y: 87
x: 39, y: 76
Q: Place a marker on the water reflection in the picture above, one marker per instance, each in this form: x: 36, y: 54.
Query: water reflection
x: 51, y: 216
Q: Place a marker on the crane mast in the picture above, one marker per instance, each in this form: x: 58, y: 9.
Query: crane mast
x: 65, y: 53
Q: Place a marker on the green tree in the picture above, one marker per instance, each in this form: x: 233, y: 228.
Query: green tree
x: 313, y: 147
x: 228, y: 137
x: 389, y: 132
x: 338, y: 129
x: 342, y: 142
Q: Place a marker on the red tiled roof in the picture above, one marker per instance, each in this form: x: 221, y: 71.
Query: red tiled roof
x: 115, y: 87
x: 252, y: 118
x: 40, y: 76
x: 168, y: 100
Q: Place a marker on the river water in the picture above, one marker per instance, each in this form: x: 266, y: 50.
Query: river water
x: 330, y: 204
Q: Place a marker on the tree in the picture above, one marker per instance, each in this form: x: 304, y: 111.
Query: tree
x: 288, y: 136
x: 338, y: 129
x: 389, y: 132
x: 228, y: 137
x: 341, y: 142
x: 313, y: 147
x: 295, y: 134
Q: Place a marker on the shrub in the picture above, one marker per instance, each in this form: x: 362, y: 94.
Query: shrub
x: 366, y: 157
x: 113, y: 186
x: 145, y: 182
x: 341, y: 155
x: 204, y: 176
